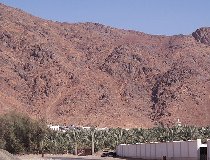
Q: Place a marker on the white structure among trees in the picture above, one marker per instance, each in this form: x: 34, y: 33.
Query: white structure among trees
x: 55, y: 128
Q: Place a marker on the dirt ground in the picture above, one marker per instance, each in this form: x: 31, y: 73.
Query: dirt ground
x: 66, y: 157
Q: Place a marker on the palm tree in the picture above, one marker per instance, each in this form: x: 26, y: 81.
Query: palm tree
x: 188, y: 133
x: 75, y: 138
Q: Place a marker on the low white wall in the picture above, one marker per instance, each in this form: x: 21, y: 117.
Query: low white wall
x: 182, y: 150
x: 169, y: 149
x: 208, y: 149
x: 153, y: 150
x: 143, y: 151
x: 138, y: 150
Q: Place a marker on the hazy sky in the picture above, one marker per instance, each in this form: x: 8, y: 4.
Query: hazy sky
x: 166, y: 17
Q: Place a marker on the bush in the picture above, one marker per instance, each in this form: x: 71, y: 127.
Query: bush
x: 20, y: 134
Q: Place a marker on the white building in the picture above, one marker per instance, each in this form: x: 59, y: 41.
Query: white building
x: 54, y: 128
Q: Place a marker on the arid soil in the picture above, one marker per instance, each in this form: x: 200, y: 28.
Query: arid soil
x: 94, y: 75
x: 4, y: 155
x: 69, y: 157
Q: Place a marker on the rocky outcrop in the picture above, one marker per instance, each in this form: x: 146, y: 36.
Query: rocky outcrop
x: 202, y: 35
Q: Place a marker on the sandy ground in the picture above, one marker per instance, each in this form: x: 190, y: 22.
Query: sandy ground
x: 65, y: 157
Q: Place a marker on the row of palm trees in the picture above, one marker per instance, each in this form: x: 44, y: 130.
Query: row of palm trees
x: 20, y: 134
x: 72, y: 140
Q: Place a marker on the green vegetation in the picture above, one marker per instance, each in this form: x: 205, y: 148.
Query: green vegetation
x: 20, y: 134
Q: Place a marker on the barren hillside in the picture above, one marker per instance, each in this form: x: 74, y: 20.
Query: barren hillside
x: 91, y: 74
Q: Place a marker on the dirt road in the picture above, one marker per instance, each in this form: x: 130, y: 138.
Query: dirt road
x: 65, y: 157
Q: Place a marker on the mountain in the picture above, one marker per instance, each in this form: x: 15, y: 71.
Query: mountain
x: 94, y: 75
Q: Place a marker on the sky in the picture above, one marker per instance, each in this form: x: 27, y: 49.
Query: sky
x: 159, y: 17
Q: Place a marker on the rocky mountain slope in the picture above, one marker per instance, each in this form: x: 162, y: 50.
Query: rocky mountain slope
x: 91, y: 74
